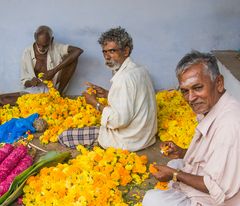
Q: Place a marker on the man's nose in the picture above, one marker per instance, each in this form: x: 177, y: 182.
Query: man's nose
x: 191, y: 96
x: 107, y: 56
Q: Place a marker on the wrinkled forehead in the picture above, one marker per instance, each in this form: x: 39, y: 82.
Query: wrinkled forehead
x: 43, y: 32
x: 109, y: 45
x: 194, y: 75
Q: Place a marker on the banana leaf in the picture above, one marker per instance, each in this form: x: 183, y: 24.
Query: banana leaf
x: 16, y: 193
x: 52, y: 158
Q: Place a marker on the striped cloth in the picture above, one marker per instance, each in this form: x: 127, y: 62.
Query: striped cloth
x: 86, y: 136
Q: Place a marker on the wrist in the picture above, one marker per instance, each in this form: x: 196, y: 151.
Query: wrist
x: 175, y: 175
x: 98, y: 106
x: 183, y: 152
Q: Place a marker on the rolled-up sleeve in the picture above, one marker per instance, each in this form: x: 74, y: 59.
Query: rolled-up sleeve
x: 223, y: 166
x: 214, y: 189
x: 62, y: 49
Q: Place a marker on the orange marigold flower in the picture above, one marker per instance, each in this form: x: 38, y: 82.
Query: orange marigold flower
x: 162, y: 186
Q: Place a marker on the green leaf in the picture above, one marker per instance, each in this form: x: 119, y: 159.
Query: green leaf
x: 12, y: 197
x: 52, y: 158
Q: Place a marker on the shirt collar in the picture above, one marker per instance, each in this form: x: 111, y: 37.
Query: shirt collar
x: 122, y: 67
x: 206, y: 121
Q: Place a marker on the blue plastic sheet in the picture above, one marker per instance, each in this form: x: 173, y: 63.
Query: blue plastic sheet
x: 15, y: 128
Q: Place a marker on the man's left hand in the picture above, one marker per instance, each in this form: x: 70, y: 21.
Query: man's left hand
x: 90, y: 98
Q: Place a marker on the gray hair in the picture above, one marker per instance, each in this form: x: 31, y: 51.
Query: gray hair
x: 41, y: 29
x: 119, y: 36
x: 195, y: 57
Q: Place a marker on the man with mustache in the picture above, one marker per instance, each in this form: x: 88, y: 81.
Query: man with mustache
x: 207, y: 173
x: 56, y: 61
x: 129, y: 120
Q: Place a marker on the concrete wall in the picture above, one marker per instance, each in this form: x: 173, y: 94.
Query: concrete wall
x: 163, y: 31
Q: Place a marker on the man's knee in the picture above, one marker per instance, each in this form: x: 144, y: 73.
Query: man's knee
x: 153, y: 198
x: 176, y: 163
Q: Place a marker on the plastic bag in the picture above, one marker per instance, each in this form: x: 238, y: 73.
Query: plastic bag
x: 15, y: 128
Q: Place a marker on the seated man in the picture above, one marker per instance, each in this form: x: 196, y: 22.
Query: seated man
x: 57, y: 61
x: 129, y: 121
x: 211, y: 165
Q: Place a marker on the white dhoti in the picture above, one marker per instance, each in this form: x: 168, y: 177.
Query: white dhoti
x: 171, y: 197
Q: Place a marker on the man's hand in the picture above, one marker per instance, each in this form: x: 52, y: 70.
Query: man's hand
x: 164, y: 173
x: 48, y: 75
x: 101, y: 92
x: 172, y: 151
x: 34, y: 82
x: 90, y: 99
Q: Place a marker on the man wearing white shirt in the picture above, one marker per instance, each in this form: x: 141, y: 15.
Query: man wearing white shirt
x: 56, y: 61
x: 129, y: 120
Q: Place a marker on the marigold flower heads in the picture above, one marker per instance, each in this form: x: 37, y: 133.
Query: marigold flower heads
x: 164, y: 150
x: 92, y: 178
x: 176, y: 120
x: 60, y: 113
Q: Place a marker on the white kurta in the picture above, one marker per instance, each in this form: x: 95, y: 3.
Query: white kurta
x: 130, y: 120
x: 55, y: 56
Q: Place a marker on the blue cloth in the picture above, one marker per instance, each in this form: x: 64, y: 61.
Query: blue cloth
x: 11, y: 130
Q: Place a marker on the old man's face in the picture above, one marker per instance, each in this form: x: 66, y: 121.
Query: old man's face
x: 43, y: 41
x: 199, y: 90
x: 113, y: 55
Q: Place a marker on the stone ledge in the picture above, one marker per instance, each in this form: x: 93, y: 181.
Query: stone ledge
x: 230, y: 59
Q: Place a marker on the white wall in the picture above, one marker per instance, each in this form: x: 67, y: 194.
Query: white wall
x: 163, y: 31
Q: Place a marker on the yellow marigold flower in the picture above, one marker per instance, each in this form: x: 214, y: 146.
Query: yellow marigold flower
x: 40, y: 75
x: 176, y: 120
x: 60, y: 113
x: 84, y: 181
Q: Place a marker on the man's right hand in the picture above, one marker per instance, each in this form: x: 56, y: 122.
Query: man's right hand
x: 34, y: 82
x: 173, y: 151
x: 101, y: 92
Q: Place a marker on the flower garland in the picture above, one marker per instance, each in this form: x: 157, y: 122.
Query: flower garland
x: 92, y: 179
x: 176, y: 120
x: 60, y: 113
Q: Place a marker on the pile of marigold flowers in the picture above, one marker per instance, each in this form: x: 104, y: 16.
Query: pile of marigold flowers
x: 93, y: 178
x: 176, y: 120
x: 60, y: 113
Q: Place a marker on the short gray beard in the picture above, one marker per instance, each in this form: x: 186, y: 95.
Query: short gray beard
x: 115, y: 66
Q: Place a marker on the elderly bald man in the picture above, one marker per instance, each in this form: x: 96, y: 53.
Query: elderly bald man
x: 57, y: 61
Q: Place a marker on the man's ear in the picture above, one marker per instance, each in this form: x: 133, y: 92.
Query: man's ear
x: 220, y: 83
x: 127, y: 51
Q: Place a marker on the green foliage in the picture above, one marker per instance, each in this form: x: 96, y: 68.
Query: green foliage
x: 52, y: 158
